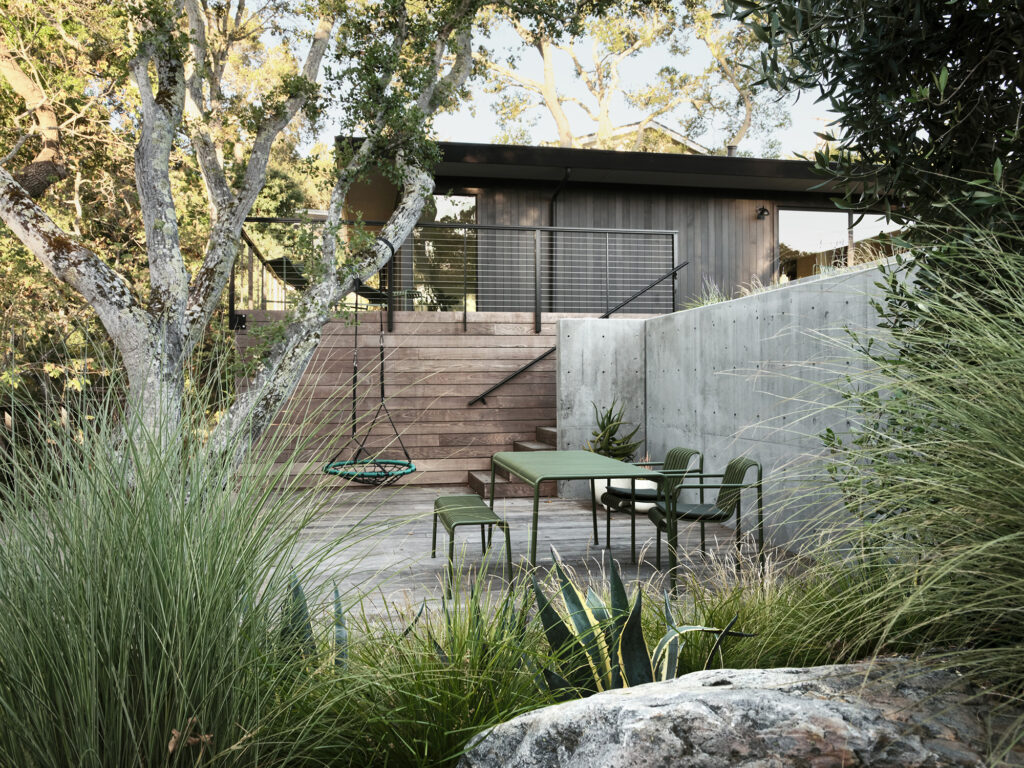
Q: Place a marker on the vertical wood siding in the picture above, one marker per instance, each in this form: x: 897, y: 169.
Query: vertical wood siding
x: 722, y: 237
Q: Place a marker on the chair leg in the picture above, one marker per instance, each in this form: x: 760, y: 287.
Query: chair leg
x: 451, y: 563
x: 608, y: 529
x: 703, y: 549
x: 483, y: 540
x: 657, y: 548
x: 593, y: 507
x: 632, y: 519
x: 508, y: 549
x: 632, y: 531
x: 433, y: 540
x: 490, y: 536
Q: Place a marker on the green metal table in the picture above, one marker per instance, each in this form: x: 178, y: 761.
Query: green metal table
x: 535, y: 467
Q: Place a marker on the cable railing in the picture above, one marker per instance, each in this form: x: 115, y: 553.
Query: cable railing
x: 482, y: 397
x: 458, y: 267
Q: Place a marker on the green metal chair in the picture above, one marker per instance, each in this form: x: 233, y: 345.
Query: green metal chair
x: 467, y: 509
x: 669, y: 511
x: 675, y: 468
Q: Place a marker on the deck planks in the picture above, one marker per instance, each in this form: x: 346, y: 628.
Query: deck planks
x: 387, y: 555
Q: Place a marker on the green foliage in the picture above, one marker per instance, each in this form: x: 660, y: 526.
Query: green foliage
x: 143, y: 597
x: 416, y: 688
x: 710, y: 293
x: 606, y: 440
x: 927, y: 96
x: 601, y: 646
x: 701, y: 86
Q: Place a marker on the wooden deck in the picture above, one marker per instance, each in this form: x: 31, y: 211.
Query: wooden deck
x: 386, y: 535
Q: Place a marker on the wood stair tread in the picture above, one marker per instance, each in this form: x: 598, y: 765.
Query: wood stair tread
x: 547, y: 435
x: 480, y: 482
x: 531, y: 445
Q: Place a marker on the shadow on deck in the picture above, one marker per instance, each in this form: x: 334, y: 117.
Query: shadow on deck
x: 387, y: 536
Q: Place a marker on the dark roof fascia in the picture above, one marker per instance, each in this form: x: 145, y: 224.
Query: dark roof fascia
x: 818, y: 199
x: 476, y: 164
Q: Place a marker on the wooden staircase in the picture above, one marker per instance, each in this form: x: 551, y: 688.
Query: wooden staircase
x: 505, y: 488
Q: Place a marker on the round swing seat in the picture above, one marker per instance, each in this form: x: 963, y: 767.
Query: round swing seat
x: 371, y: 471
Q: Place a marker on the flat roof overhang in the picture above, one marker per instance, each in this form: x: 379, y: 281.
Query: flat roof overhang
x: 480, y: 163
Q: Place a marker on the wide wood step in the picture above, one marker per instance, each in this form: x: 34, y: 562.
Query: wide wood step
x: 530, y: 445
x: 548, y: 435
x: 480, y: 482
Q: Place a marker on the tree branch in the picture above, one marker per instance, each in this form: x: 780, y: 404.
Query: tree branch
x: 72, y: 263
x: 218, y: 191
x: 222, y: 246
x: 48, y: 166
x: 161, y: 117
x: 510, y: 74
x: 252, y: 412
x: 14, y: 151
x: 454, y: 78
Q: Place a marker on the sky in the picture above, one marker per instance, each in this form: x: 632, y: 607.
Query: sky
x: 475, y: 121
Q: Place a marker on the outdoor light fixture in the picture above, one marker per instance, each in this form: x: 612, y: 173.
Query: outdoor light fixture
x: 762, y: 213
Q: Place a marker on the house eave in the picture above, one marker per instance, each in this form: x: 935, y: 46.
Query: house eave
x: 497, y: 162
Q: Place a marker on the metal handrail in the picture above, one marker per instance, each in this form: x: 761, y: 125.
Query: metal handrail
x: 438, y: 225
x: 482, y: 398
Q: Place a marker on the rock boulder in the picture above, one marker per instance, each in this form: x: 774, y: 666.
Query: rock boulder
x: 883, y: 714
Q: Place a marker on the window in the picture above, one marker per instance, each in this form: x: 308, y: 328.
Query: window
x: 813, y: 241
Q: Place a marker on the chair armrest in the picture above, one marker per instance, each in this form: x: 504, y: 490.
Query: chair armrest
x: 702, y: 486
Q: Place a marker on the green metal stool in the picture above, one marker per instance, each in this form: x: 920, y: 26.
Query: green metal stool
x: 468, y: 509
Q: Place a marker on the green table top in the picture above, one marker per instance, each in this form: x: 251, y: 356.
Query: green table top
x: 537, y: 466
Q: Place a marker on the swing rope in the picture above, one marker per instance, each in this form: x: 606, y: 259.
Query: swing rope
x: 371, y: 470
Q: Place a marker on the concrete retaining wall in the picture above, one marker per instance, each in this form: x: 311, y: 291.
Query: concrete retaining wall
x: 749, y: 376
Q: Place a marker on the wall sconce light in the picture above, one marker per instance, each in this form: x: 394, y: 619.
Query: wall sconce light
x: 762, y: 213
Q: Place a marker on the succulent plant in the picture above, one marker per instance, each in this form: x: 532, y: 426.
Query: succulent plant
x: 606, y: 440
x: 598, y: 647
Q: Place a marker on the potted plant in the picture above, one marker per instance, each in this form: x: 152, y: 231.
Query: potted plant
x: 606, y: 441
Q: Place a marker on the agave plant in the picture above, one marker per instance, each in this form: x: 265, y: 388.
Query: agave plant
x: 606, y: 440
x: 599, y: 647
x: 297, y: 627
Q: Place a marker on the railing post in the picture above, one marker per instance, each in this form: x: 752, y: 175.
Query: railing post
x: 231, y: 294
x: 607, y: 272
x: 252, y: 281
x: 465, y: 292
x: 536, y: 281
x: 675, y: 261
x: 391, y: 295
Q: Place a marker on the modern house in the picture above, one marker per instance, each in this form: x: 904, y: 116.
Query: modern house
x: 517, y: 238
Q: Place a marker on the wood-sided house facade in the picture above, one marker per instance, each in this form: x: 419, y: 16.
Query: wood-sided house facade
x: 518, y: 237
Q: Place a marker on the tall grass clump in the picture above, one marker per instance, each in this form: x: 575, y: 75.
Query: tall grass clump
x: 926, y: 554
x: 419, y: 684
x: 141, y: 589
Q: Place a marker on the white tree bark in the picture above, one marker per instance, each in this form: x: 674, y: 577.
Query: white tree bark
x: 275, y: 381
x: 131, y: 327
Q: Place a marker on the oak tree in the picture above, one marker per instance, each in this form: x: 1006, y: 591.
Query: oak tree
x: 380, y: 70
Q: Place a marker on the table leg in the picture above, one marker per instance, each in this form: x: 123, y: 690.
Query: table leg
x: 608, y: 529
x: 492, y: 484
x: 533, y: 539
x: 593, y: 505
